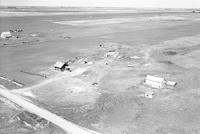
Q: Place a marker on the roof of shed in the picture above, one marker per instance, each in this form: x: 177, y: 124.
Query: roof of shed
x: 59, y: 64
x: 154, y: 78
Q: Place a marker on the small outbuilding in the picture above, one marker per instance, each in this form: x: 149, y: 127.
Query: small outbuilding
x: 112, y: 54
x: 60, y: 66
x: 171, y: 83
x: 6, y: 35
x: 155, y: 82
x: 149, y: 94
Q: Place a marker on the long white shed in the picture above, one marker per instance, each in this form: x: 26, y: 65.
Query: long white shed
x: 154, y: 81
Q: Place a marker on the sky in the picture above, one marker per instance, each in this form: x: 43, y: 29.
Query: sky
x: 106, y: 3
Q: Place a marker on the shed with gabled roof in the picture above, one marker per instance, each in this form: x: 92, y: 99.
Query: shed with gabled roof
x: 60, y: 65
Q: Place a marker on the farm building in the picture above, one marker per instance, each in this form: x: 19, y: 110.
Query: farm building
x: 148, y: 94
x: 155, y: 82
x: 60, y: 65
x: 112, y: 54
x: 6, y: 35
x: 171, y: 83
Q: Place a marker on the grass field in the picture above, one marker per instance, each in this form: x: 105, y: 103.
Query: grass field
x: 107, y: 96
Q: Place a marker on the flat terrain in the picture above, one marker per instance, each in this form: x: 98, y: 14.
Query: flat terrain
x: 107, y: 93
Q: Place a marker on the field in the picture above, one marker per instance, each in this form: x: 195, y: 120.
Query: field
x: 106, y: 93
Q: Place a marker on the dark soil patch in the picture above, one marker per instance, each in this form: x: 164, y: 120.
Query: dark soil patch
x: 170, y: 53
x: 167, y: 62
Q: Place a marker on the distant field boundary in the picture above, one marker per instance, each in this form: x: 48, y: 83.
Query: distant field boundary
x: 12, y: 81
x: 34, y: 74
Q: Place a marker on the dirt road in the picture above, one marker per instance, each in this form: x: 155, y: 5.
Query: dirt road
x: 69, y: 127
x: 58, y: 77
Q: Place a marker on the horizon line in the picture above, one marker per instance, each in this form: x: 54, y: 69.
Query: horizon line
x: 101, y: 7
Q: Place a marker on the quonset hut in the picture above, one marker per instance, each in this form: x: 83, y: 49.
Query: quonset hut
x: 155, y: 82
x: 6, y: 35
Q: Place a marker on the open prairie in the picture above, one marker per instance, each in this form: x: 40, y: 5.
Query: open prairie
x: 112, y: 52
